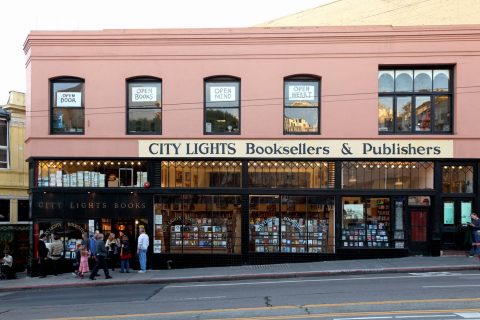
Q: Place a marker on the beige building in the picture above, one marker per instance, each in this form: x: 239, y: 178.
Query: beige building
x: 14, y: 200
x: 384, y: 12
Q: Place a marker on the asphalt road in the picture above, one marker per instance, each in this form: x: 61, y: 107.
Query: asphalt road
x: 384, y: 296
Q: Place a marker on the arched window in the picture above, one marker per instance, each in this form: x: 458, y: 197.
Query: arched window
x: 301, y: 106
x: 67, y: 105
x: 222, y: 105
x: 144, y: 104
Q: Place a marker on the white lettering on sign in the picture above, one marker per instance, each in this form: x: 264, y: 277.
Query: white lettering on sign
x: 302, y: 93
x: 144, y: 94
x: 69, y: 99
x: 218, y: 94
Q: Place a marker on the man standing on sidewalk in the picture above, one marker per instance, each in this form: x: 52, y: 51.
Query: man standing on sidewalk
x: 42, y: 255
x: 143, y: 242
x: 100, y: 255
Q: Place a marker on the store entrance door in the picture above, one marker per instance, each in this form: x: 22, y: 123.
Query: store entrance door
x: 418, y: 240
x: 456, y: 217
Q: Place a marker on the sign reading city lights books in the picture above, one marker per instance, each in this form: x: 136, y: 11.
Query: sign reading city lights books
x: 221, y: 94
x: 296, y: 149
x: 144, y: 94
x: 69, y: 99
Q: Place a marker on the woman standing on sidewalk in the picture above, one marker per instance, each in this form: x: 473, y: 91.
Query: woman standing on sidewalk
x: 113, y: 244
x: 125, y: 255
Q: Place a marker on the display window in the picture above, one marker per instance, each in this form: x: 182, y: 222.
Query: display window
x: 200, y: 224
x: 201, y: 174
x: 387, y: 175
x: 291, y: 174
x: 69, y: 233
x: 457, y: 179
x: 292, y: 224
x: 366, y: 222
x: 68, y: 106
x: 91, y: 174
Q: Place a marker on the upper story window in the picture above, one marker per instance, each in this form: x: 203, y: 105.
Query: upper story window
x: 3, y: 143
x: 67, y: 106
x: 415, y: 101
x: 144, y: 106
x: 222, y: 105
x: 301, y: 114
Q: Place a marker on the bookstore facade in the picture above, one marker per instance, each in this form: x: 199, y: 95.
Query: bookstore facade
x: 267, y: 209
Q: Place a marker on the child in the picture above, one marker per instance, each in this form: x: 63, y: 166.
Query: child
x: 84, y: 254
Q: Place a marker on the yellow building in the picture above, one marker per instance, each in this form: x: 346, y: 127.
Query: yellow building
x: 14, y: 201
x: 384, y: 12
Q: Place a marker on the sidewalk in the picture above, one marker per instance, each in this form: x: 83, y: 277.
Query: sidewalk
x: 291, y: 270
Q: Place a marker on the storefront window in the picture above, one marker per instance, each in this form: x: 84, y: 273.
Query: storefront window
x: 301, y: 113
x: 68, y: 106
x: 3, y: 143
x: 420, y: 99
x: 144, y: 106
x: 387, y: 175
x: 201, y: 174
x: 91, y: 174
x: 291, y: 174
x: 69, y: 233
x: 5, y: 210
x: 222, y: 106
x: 366, y: 222
x: 457, y: 179
x: 23, y: 210
x: 197, y: 224
x: 292, y: 224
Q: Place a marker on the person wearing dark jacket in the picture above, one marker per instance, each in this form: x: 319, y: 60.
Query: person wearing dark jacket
x: 42, y: 255
x: 100, y: 255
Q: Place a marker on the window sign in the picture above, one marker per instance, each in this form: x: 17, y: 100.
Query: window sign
x: 466, y: 210
x: 301, y: 93
x: 69, y: 99
x: 144, y: 94
x: 448, y: 211
x: 219, y: 94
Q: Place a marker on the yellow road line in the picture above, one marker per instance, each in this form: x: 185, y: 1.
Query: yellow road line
x: 323, y: 305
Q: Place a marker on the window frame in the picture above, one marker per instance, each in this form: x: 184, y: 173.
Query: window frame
x: 66, y: 79
x: 6, y: 147
x: 302, y: 78
x: 142, y: 79
x: 416, y: 94
x: 224, y: 79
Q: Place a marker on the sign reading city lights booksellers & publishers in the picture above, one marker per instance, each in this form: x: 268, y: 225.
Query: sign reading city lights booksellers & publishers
x: 296, y: 149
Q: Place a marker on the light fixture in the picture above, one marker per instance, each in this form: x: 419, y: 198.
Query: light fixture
x: 398, y: 182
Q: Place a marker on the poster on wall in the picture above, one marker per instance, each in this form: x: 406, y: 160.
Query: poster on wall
x: 353, y: 211
x: 448, y: 213
x: 157, y: 246
x: 466, y: 210
x: 69, y: 99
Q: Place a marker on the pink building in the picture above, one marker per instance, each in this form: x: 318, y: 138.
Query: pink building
x: 257, y: 145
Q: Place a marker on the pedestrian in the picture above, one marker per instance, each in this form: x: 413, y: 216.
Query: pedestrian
x: 76, y: 264
x: 84, y: 254
x: 143, y: 242
x: 113, y: 244
x: 42, y: 255
x: 125, y: 255
x: 100, y: 256
x: 6, y: 269
x: 56, y: 251
x: 475, y: 230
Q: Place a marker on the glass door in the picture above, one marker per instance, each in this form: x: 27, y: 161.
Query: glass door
x: 455, y: 220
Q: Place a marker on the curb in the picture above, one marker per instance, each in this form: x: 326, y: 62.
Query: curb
x: 283, y: 275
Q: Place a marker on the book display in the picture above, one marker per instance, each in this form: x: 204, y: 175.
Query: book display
x: 366, y: 224
x: 60, y: 176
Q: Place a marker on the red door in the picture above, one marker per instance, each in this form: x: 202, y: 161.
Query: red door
x: 418, y: 230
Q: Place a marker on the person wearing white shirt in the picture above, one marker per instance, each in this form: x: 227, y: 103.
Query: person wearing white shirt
x: 7, y: 266
x: 142, y: 246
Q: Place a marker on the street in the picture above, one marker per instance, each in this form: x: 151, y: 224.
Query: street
x: 438, y: 295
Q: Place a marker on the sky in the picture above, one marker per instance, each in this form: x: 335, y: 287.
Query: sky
x: 19, y: 17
